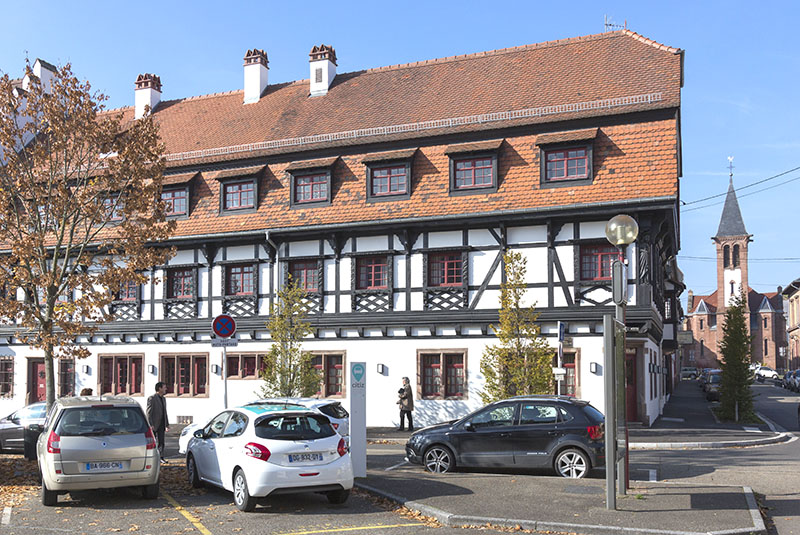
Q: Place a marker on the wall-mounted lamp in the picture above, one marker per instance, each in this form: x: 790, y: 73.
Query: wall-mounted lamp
x: 215, y: 369
x: 593, y: 367
x: 151, y: 369
x: 86, y: 369
x: 381, y: 369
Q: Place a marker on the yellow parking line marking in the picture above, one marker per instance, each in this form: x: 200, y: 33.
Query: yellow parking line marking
x: 339, y: 530
x: 189, y: 516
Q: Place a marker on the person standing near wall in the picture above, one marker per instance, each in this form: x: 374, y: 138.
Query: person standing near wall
x: 157, y: 414
x: 406, y: 403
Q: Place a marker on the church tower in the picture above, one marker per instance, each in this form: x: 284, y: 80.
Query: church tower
x: 731, y: 242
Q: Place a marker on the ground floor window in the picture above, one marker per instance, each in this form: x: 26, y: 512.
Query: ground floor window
x: 121, y: 374
x: 245, y: 365
x: 442, y: 374
x: 66, y: 377
x: 331, y: 369
x: 6, y: 377
x: 185, y: 375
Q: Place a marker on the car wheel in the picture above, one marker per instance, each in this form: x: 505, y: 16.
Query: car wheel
x: 338, y: 496
x: 49, y: 497
x: 191, y: 472
x: 241, y: 496
x: 572, y: 463
x: 439, y: 460
x: 150, y: 492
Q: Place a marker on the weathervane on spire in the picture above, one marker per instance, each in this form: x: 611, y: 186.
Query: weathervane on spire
x: 730, y: 167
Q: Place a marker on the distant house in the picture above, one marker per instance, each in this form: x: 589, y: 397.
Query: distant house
x: 792, y: 294
x: 390, y: 196
x: 707, y: 312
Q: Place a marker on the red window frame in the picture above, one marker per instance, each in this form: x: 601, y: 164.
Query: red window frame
x: 473, y: 173
x: 121, y: 374
x: 113, y: 213
x: 443, y: 375
x: 455, y: 381
x: 567, y: 164
x: 185, y: 375
x: 245, y: 366
x: 331, y: 370
x: 180, y: 283
x: 373, y: 273
x: 305, y: 275
x: 311, y: 188
x: 240, y: 195
x: 6, y: 377
x: 444, y: 269
x: 176, y: 201
x: 596, y: 261
x: 240, y: 280
x: 389, y: 180
x: 128, y: 291
x: 66, y: 377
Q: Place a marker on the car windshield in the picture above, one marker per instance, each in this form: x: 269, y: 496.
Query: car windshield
x: 294, y: 427
x: 334, y: 410
x: 715, y: 378
x: 101, y: 421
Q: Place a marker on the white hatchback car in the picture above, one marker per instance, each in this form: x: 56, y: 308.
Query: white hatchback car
x: 260, y: 450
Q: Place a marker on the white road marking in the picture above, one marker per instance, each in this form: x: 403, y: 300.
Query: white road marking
x: 6, y: 516
x: 653, y: 475
x: 668, y: 419
x: 752, y: 429
x: 775, y: 428
x: 398, y: 465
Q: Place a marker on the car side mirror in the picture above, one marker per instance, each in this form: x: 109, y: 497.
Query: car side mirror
x: 14, y: 420
x: 199, y: 434
x: 469, y: 427
x: 36, y: 428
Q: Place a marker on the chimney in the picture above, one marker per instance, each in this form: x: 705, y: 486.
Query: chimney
x: 322, y: 61
x: 44, y: 71
x: 256, y: 69
x: 690, y: 301
x: 148, y: 93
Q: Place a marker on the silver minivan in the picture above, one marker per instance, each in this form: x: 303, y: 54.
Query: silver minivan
x: 97, y: 442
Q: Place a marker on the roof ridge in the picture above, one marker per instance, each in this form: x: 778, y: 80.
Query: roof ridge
x: 650, y: 42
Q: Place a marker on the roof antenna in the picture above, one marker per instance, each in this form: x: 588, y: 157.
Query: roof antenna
x: 610, y: 26
x: 730, y: 167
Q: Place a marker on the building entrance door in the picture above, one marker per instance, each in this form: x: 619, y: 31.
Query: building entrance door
x: 630, y: 386
x: 37, y: 386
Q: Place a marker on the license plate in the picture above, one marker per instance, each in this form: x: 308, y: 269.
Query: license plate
x: 103, y: 467
x: 302, y: 457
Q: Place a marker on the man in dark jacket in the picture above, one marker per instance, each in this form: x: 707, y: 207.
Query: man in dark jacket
x: 157, y: 414
x: 406, y: 403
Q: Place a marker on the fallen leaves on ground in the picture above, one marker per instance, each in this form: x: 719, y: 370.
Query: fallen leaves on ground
x: 20, y: 479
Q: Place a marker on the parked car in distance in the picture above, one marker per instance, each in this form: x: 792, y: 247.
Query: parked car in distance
x: 688, y: 373
x: 97, y: 442
x: 333, y: 409
x: 793, y: 382
x: 712, y: 386
x: 703, y: 377
x: 260, y: 450
x: 557, y: 432
x: 765, y: 372
x: 12, y: 427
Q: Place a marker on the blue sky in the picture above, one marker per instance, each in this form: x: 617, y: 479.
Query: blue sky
x: 742, y: 74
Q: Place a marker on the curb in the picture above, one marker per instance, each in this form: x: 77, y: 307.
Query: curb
x: 466, y: 521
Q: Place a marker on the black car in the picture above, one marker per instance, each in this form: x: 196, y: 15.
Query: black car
x: 558, y: 432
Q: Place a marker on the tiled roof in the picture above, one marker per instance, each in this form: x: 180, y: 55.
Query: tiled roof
x: 478, y: 146
x: 563, y: 137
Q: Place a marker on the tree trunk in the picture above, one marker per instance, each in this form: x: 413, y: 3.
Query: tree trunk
x: 49, y: 375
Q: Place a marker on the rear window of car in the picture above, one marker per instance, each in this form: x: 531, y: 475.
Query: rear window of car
x: 593, y: 414
x: 334, y: 410
x: 715, y: 378
x: 285, y: 427
x: 101, y: 421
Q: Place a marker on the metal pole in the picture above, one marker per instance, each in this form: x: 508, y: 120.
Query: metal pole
x: 619, y: 314
x: 225, y: 374
x: 622, y: 472
x: 611, y: 414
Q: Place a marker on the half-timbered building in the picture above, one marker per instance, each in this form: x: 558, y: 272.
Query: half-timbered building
x: 390, y: 195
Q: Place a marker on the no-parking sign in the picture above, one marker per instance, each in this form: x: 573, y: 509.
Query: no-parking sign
x: 223, y: 326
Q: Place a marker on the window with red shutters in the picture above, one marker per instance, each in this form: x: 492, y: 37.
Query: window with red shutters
x: 330, y: 367
x: 567, y: 164
x: 390, y: 180
x: 311, y: 188
x: 473, y: 173
x: 185, y: 375
x: 121, y: 374
x: 372, y: 273
x: 239, y: 195
x: 240, y: 280
x: 180, y: 283
x: 444, y: 269
x: 443, y: 374
x: 176, y: 201
x: 305, y: 274
x: 596, y: 261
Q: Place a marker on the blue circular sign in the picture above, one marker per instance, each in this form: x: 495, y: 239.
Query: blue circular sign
x: 223, y: 326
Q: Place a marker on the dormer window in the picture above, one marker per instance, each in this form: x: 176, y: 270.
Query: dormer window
x: 389, y: 175
x: 239, y: 195
x: 567, y: 164
x: 566, y: 157
x: 176, y: 201
x: 473, y: 167
x: 113, y: 208
x: 311, y: 182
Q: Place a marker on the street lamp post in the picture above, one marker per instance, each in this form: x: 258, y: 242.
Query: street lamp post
x: 621, y: 231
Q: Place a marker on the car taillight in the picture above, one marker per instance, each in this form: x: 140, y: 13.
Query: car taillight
x: 151, y: 440
x: 53, y: 443
x: 256, y: 451
x: 595, y: 432
x: 341, y: 448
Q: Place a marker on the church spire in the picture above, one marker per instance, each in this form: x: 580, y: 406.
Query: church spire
x: 731, y: 224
